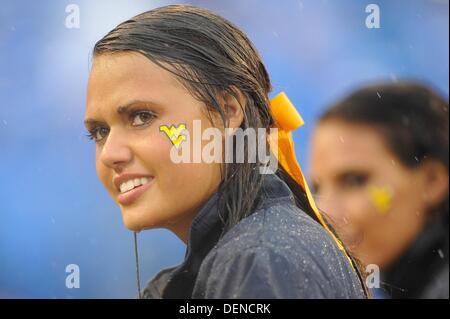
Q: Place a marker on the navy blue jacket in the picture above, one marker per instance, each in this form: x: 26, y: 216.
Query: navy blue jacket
x: 276, y: 252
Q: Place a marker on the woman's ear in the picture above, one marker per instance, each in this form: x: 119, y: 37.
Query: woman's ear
x: 435, y: 176
x: 233, y: 103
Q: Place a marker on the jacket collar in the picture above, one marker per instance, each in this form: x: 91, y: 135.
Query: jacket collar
x: 205, y: 232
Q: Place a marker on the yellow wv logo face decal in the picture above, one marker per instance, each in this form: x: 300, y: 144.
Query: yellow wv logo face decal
x: 381, y: 197
x: 174, y: 133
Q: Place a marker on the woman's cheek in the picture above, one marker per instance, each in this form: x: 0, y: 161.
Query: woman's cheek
x: 169, y: 174
x: 358, y: 211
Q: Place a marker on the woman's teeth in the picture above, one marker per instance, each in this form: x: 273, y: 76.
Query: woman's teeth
x: 132, y: 183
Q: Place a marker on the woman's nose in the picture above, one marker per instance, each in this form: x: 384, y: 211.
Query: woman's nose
x: 115, y: 152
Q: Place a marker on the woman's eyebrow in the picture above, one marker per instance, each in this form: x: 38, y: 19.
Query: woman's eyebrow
x: 123, y: 109
x: 88, y: 123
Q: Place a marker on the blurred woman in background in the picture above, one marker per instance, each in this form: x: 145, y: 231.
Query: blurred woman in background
x: 379, y: 165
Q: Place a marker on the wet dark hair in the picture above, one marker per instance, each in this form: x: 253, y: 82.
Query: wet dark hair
x: 210, y: 57
x: 411, y: 117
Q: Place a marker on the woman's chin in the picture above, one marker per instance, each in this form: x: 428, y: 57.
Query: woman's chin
x: 136, y: 223
x: 133, y: 227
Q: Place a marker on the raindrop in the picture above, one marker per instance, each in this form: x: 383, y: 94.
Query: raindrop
x: 441, y: 253
x: 393, y: 78
x: 379, y: 95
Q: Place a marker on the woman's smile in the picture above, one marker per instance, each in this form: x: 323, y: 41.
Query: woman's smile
x: 131, y: 187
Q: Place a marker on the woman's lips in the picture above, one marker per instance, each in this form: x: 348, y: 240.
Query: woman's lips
x: 130, y: 196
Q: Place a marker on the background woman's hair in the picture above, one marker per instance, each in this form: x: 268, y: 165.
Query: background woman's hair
x: 210, y: 57
x: 411, y: 118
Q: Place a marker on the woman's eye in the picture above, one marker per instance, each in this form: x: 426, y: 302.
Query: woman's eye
x: 141, y: 118
x: 353, y: 180
x: 98, y: 134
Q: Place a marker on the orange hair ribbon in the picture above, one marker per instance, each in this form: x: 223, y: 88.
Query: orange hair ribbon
x: 288, y: 119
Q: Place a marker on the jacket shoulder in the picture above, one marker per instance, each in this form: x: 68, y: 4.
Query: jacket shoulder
x: 277, y: 252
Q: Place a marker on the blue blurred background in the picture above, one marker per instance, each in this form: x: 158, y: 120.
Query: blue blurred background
x: 53, y: 209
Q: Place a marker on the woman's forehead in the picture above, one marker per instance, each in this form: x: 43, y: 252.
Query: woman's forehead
x: 120, y: 79
x: 341, y: 147
x: 130, y: 68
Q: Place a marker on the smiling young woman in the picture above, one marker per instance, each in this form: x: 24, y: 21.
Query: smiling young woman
x: 248, y: 235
